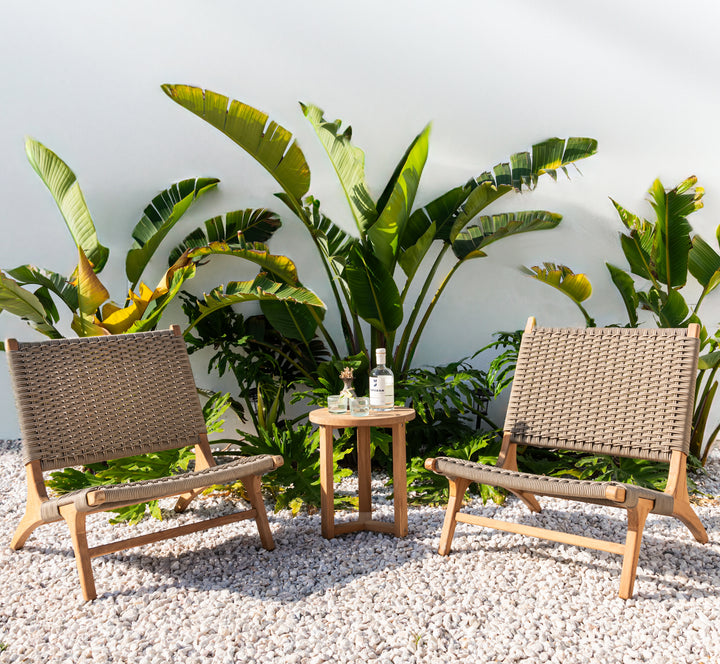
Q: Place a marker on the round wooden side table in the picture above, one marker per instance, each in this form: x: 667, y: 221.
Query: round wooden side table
x: 392, y: 419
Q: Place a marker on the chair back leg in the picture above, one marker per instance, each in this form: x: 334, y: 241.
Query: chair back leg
x: 458, y: 486
x: 687, y: 515
x: 636, y: 523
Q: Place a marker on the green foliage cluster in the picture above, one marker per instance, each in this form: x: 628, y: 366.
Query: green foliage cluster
x: 661, y: 253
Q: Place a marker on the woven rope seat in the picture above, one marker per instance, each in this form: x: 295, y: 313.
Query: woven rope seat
x: 94, y: 399
x: 556, y: 487
x: 116, y: 495
x: 614, y: 391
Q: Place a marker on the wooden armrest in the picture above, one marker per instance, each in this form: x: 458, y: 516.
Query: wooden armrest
x: 615, y: 493
x: 96, y: 498
x: 430, y: 464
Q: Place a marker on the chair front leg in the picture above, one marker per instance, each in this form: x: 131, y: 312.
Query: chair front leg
x: 252, y: 487
x: 636, y: 522
x: 76, y: 523
x: 458, y: 486
x: 36, y: 495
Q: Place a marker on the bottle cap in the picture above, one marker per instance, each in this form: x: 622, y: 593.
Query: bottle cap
x: 380, y: 355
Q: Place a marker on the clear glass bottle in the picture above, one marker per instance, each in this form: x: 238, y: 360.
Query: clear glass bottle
x: 382, y: 384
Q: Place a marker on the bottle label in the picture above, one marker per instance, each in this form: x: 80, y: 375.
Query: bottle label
x: 382, y: 392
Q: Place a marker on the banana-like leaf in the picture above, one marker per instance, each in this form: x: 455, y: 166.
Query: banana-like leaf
x: 626, y: 287
x: 254, y: 225
x: 117, y: 320
x: 334, y: 242
x: 87, y: 327
x: 374, y: 292
x: 411, y: 258
x: 54, y: 282
x: 480, y: 197
x: 348, y: 162
x: 22, y: 303
x: 261, y: 288
x: 639, y: 260
x: 165, y: 292
x: 470, y: 241
x: 159, y: 217
x: 522, y: 170
x: 671, y: 309
x: 266, y: 141
x: 576, y: 286
x: 398, y: 200
x: 292, y: 320
x: 65, y: 189
x: 91, y: 294
x: 709, y: 361
x: 672, y: 232
x: 704, y: 264
x: 281, y: 267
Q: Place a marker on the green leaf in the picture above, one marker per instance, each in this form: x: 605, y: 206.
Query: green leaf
x: 411, y: 258
x: 292, y: 320
x: 709, y: 361
x: 54, y: 282
x: 480, y: 197
x: 349, y: 164
x: 261, y: 288
x: 281, y: 267
x: 334, y: 242
x: 675, y: 310
x: 672, y: 230
x: 704, y: 264
x: 374, y: 291
x: 385, y: 233
x: 91, y: 293
x: 638, y: 259
x: 254, y: 226
x: 469, y: 242
x: 65, y: 189
x: 264, y: 140
x: 626, y: 287
x: 440, y: 212
x: 159, y: 217
x: 22, y: 303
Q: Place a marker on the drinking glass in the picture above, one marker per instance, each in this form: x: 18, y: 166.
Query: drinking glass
x: 337, y: 403
x: 360, y: 406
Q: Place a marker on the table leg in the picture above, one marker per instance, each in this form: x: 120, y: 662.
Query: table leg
x: 364, y: 476
x: 327, y: 490
x: 399, y: 480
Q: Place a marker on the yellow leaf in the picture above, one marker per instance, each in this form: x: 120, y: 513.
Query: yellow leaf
x: 91, y: 292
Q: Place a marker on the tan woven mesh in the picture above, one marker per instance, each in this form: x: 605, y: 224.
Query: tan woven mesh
x: 86, y: 400
x: 591, y: 491
x: 158, y: 488
x: 625, y: 392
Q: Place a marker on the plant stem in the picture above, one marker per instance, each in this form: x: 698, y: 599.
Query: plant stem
x: 400, y: 352
x: 416, y: 338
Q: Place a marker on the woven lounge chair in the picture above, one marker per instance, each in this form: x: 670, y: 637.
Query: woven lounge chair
x: 622, y: 392
x: 82, y: 401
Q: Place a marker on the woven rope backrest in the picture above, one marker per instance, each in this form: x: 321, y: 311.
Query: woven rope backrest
x: 618, y: 391
x: 86, y: 400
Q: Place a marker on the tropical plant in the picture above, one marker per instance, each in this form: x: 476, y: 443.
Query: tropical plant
x: 660, y: 254
x: 297, y: 482
x: 87, y: 298
x: 362, y: 269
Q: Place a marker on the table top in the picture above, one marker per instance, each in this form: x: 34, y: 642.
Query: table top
x: 376, y: 418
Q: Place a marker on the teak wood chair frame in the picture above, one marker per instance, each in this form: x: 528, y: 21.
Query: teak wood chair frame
x: 93, y: 399
x: 670, y: 402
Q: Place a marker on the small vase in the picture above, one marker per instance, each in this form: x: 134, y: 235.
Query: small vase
x: 348, y: 390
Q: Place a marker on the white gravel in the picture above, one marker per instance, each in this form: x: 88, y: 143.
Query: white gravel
x: 216, y: 596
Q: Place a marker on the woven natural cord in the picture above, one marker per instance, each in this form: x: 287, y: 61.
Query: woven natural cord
x: 73, y: 403
x: 618, y: 391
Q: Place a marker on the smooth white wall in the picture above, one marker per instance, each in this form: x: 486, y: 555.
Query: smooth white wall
x: 84, y: 78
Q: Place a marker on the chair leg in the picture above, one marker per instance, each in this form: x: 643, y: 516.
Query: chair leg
x: 529, y: 499
x: 458, y: 486
x: 29, y: 522
x: 636, y: 523
x: 687, y: 515
x: 76, y: 522
x: 252, y: 486
x: 185, y: 499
